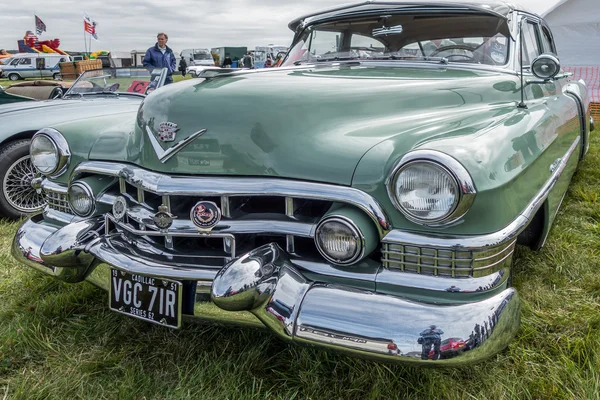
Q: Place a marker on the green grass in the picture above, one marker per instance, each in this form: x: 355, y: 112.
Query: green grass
x: 59, y: 341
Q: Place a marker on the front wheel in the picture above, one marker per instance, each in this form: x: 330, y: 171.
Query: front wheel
x: 56, y: 76
x: 18, y: 198
x: 14, y: 77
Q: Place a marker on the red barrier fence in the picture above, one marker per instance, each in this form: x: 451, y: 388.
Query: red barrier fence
x: 591, y: 76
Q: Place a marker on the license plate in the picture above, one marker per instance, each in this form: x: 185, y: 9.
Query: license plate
x: 151, y: 299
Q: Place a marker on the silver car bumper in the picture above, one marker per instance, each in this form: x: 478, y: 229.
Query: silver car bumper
x: 264, y: 288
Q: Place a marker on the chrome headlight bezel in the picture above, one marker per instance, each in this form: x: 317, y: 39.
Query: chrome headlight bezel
x: 62, y: 149
x: 358, y: 255
x: 459, y: 175
x: 88, y: 191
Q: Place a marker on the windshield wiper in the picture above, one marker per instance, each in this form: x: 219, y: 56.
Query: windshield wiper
x: 336, y: 59
x: 441, y: 60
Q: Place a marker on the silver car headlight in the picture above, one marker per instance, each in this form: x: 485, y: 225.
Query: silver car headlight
x: 431, y: 188
x: 81, y: 199
x: 339, y: 240
x: 49, y: 151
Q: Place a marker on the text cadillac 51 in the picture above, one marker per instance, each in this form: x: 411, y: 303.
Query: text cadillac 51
x: 371, y: 204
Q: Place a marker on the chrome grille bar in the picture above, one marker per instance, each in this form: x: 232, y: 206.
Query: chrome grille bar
x: 289, y: 211
x: 236, y: 186
x: 447, y: 262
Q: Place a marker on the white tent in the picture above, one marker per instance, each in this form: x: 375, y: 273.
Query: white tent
x: 575, y: 25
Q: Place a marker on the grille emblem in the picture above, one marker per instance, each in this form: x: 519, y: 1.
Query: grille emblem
x: 205, y: 215
x: 119, y: 208
x: 167, y: 131
x: 163, y: 219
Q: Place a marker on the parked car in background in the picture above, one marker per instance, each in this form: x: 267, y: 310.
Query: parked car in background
x: 375, y: 185
x: 33, y: 90
x: 33, y: 65
x: 95, y: 93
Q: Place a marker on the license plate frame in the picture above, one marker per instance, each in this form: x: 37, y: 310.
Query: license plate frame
x: 161, y: 306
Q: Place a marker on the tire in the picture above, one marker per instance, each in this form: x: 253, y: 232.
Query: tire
x: 13, y: 77
x: 17, y: 197
x: 56, y: 76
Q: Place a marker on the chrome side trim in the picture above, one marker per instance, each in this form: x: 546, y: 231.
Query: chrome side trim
x: 235, y: 186
x: 510, y: 232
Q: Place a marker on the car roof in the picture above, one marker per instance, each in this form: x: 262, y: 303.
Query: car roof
x: 497, y: 8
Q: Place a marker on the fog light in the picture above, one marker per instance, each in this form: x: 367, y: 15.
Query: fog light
x: 81, y: 199
x: 338, y: 240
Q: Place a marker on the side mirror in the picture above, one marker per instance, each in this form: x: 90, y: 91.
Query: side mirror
x: 545, y: 66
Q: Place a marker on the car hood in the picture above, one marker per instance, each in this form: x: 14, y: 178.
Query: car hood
x: 307, y: 123
x: 33, y: 115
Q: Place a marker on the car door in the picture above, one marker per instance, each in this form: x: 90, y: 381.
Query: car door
x: 40, y: 66
x: 554, y: 115
x: 26, y: 68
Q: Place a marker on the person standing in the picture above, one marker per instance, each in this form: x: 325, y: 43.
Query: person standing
x: 431, y: 336
x: 161, y: 56
x: 183, y: 66
x: 247, y: 61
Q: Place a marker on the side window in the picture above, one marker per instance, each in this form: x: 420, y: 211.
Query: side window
x: 25, y: 61
x: 547, y: 41
x: 324, y: 42
x: 531, y: 45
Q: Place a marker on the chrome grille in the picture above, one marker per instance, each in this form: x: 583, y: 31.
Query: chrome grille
x: 57, y: 201
x: 247, y: 221
x: 445, y: 262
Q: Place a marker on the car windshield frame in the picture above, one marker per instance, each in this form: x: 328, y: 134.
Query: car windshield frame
x: 467, y: 53
x: 94, y: 82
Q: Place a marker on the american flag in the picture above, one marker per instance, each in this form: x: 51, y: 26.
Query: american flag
x: 89, y: 26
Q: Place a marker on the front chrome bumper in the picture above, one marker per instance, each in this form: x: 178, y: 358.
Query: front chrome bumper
x: 264, y: 288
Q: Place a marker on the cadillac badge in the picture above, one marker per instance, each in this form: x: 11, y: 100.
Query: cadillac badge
x: 167, y: 131
x: 205, y: 215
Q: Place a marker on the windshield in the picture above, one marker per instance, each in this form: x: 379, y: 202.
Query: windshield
x: 134, y: 81
x: 474, y: 39
x: 202, y: 56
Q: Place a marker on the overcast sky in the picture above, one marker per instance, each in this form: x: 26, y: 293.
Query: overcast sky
x: 125, y: 25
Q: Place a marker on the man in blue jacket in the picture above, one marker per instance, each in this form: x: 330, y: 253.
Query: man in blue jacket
x: 161, y: 56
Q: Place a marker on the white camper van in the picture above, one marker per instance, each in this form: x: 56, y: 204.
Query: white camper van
x: 201, y: 57
x: 33, y: 65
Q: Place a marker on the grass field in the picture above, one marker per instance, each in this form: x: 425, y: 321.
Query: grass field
x: 59, y: 341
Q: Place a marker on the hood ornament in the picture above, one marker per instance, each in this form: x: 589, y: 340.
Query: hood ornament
x: 167, y: 131
x: 164, y: 155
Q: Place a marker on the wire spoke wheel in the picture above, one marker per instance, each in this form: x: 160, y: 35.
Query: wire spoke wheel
x: 16, y: 187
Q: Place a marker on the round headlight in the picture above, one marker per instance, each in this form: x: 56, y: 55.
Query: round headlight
x: 338, y: 240
x: 81, y: 199
x: 49, y: 152
x: 44, y: 154
x: 425, y: 191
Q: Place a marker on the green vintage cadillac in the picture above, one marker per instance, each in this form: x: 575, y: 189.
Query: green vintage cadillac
x: 371, y: 205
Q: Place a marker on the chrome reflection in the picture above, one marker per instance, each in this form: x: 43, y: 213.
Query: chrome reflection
x: 365, y: 323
